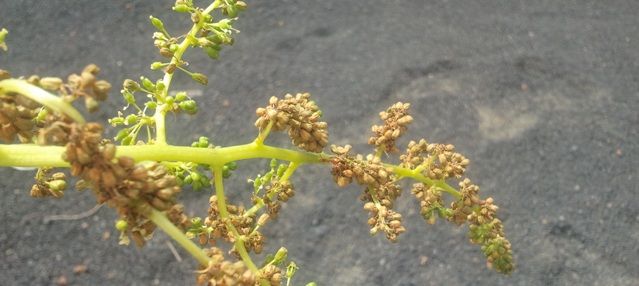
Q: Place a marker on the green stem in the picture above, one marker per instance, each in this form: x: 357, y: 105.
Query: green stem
x: 160, y: 111
x: 264, y: 133
x: 41, y: 96
x: 418, y: 176
x: 224, y: 215
x: 22, y: 155
x: 176, y: 234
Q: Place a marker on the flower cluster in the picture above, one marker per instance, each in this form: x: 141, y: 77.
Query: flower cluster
x: 221, y: 272
x: 48, y: 185
x: 132, y: 189
x: 270, y: 189
x: 16, y: 118
x: 237, y: 220
x: 486, y: 229
x: 380, y: 192
x: 84, y: 85
x: 430, y: 202
x: 438, y: 161
x: 300, y: 116
x: 396, y: 120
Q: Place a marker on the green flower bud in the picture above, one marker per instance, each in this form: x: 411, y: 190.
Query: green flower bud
x: 180, y: 96
x: 116, y: 121
x: 128, y: 97
x: 42, y: 115
x: 291, y: 269
x: 131, y: 85
x: 121, y: 225
x: 127, y: 140
x: 151, y: 104
x: 157, y: 23
x: 169, y: 100
x: 159, y: 85
x: 173, y: 47
x: 212, y: 52
x: 232, y: 165
x: 181, y: 8
x: 157, y: 65
x: 3, y: 35
x: 131, y: 119
x: 226, y: 173
x: 231, y: 11
x: 224, y: 24
x: 121, y: 134
x: 57, y: 185
x: 189, y: 106
x: 200, y: 78
x: 147, y: 84
x: 280, y: 256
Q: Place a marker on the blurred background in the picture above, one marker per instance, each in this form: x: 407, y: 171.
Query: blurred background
x: 542, y: 96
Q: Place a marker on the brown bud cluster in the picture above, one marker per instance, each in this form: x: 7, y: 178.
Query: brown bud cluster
x: 276, y: 193
x: 300, y: 116
x: 220, y: 272
x: 440, y: 161
x: 49, y: 186
x: 430, y: 202
x: 272, y: 274
x: 132, y: 189
x: 396, y: 120
x: 87, y: 86
x: 244, y: 224
x: 464, y: 206
x: 176, y: 215
x: 385, y: 220
x: 16, y: 118
x: 380, y: 193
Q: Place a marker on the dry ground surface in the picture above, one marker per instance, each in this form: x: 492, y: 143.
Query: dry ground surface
x: 541, y: 95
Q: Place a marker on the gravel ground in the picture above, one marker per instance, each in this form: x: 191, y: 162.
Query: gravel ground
x: 541, y: 95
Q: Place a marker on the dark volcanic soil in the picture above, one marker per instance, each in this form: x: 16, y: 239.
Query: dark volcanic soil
x: 541, y: 95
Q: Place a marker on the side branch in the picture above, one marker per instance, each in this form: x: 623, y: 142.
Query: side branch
x: 416, y: 175
x: 41, y: 96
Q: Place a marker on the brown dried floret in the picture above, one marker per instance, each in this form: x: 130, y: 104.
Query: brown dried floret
x: 16, y: 118
x: 86, y: 85
x: 396, y: 120
x: 300, y: 116
x: 464, y: 206
x: 272, y: 274
x: 221, y: 272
